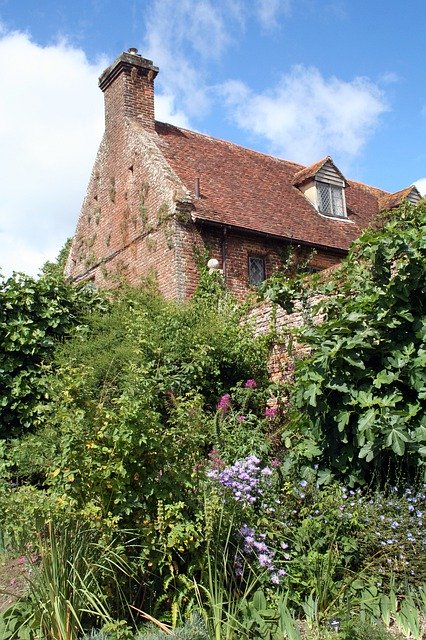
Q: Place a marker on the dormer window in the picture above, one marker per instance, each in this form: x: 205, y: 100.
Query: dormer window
x: 324, y: 186
x: 392, y: 200
x: 330, y: 199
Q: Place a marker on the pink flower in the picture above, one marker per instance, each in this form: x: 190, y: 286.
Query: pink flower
x: 251, y: 384
x: 216, y: 460
x: 270, y: 412
x: 224, y: 403
x: 241, y: 418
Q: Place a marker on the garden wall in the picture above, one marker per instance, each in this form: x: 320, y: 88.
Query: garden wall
x: 268, y: 317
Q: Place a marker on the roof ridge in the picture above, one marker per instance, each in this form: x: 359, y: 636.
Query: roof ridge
x: 228, y: 143
x: 368, y: 186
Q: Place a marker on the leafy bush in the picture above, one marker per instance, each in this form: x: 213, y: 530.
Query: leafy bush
x: 361, y: 396
x: 34, y: 316
x: 123, y: 440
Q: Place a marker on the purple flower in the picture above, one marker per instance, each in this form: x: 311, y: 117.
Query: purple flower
x: 245, y: 479
x: 224, y: 403
x: 251, y: 384
x: 241, y: 418
x: 270, y: 412
x: 264, y: 560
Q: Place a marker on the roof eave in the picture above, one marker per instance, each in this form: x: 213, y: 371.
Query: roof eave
x: 264, y: 234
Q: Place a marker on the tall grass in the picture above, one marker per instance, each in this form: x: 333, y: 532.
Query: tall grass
x: 221, y: 592
x: 66, y: 584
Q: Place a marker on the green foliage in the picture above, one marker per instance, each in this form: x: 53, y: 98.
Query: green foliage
x: 193, y: 629
x: 243, y: 429
x: 221, y: 593
x: 403, y: 616
x: 34, y: 316
x: 293, y: 282
x: 123, y: 439
x: 182, y: 348
x: 202, y: 498
x: 65, y: 585
x: 339, y: 539
x: 211, y: 284
x: 361, y: 396
x: 268, y: 621
x: 355, y: 629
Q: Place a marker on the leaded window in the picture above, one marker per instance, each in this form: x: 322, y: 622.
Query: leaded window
x: 257, y: 270
x: 330, y: 200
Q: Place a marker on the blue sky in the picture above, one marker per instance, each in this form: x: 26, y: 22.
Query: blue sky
x: 296, y: 78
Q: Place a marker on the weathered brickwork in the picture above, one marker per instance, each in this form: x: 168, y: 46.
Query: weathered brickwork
x: 158, y: 192
x: 271, y: 318
x: 127, y: 227
x: 232, y: 250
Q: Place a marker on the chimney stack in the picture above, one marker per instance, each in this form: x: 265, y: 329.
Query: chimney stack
x: 128, y: 86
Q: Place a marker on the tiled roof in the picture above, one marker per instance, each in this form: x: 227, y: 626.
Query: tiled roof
x: 250, y: 190
x: 391, y: 200
x: 310, y: 172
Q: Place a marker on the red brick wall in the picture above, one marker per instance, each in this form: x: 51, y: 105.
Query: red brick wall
x: 126, y: 226
x: 232, y: 250
x: 267, y: 317
x: 128, y: 86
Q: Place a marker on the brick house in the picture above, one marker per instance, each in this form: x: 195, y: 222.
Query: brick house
x: 157, y: 191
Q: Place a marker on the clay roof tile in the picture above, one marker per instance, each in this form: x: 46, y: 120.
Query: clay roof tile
x: 253, y: 191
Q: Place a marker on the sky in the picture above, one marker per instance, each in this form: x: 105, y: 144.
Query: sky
x: 300, y: 79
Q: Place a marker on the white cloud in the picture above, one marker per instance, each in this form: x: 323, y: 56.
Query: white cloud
x: 51, y: 121
x: 268, y: 11
x: 166, y: 110
x: 183, y: 37
x: 389, y: 78
x: 421, y: 186
x: 307, y: 116
x: 178, y: 33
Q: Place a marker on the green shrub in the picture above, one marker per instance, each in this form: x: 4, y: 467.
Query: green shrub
x: 34, y: 316
x: 122, y: 442
x: 360, y: 398
x: 193, y: 629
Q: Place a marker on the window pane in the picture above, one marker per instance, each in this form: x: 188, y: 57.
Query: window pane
x: 330, y: 199
x: 256, y: 270
x: 337, y: 199
x: 324, y: 197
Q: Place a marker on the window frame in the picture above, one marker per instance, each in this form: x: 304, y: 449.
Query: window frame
x: 260, y: 258
x: 331, y: 187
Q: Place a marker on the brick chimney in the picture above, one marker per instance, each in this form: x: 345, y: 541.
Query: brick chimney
x: 128, y: 86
